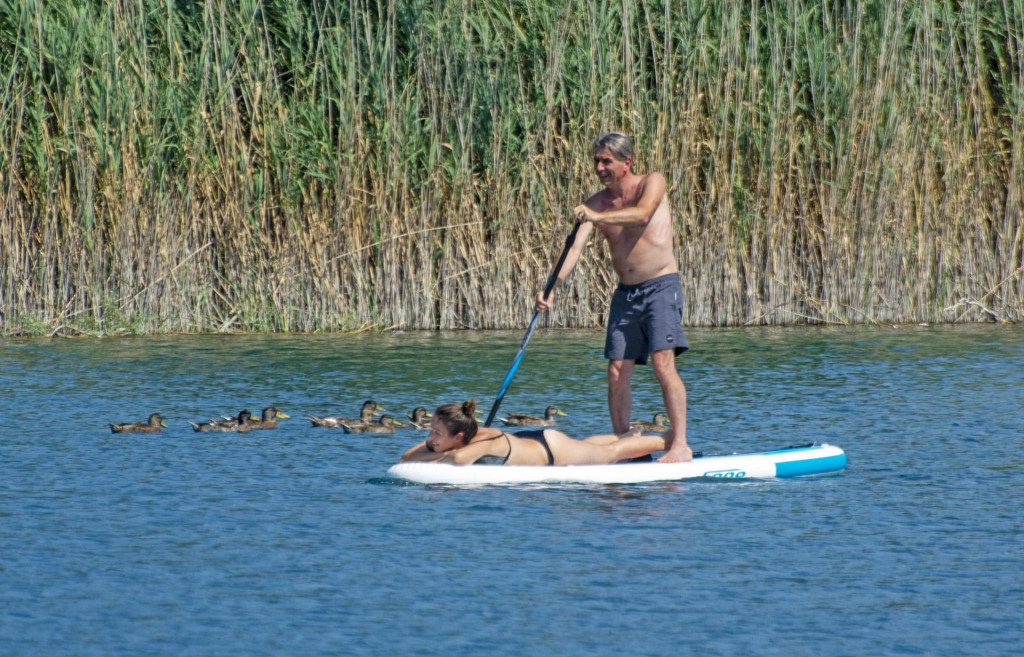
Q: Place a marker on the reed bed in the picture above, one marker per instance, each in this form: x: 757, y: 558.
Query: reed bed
x: 299, y: 165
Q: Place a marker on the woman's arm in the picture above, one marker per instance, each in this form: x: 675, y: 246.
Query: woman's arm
x: 461, y: 456
x: 472, y: 452
x: 421, y: 453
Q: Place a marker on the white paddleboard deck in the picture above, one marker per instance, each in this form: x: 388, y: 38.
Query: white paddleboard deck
x: 782, y: 463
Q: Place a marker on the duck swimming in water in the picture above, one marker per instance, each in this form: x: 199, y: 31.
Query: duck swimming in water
x: 658, y: 424
x: 239, y: 423
x: 268, y: 419
x: 420, y: 418
x: 153, y: 425
x: 212, y: 425
x: 370, y: 408
x: 522, y: 420
x: 386, y: 424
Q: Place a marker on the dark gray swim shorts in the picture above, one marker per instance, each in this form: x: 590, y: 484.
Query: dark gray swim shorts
x: 644, y: 318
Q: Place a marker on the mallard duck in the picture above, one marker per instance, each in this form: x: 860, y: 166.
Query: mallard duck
x: 658, y: 424
x: 521, y: 420
x: 205, y: 426
x: 152, y: 426
x: 386, y: 424
x: 370, y: 408
x: 240, y: 423
x: 327, y: 421
x: 244, y: 422
x: 420, y: 417
x: 268, y: 419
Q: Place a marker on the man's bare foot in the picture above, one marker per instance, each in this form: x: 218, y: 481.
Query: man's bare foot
x: 678, y: 454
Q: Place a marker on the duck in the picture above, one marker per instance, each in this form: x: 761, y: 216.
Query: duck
x: 370, y: 408
x: 212, y: 425
x: 420, y: 417
x: 153, y: 425
x: 386, y: 424
x: 241, y: 422
x: 658, y: 424
x: 244, y: 422
x: 268, y: 418
x: 522, y: 420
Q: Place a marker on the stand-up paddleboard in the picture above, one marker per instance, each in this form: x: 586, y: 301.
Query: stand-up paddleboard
x: 788, y: 462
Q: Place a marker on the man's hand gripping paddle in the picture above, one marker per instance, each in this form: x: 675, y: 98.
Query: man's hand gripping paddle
x: 533, y: 324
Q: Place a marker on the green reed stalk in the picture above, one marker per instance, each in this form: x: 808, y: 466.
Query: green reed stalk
x: 285, y: 165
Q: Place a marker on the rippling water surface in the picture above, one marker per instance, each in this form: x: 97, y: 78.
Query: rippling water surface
x: 291, y: 542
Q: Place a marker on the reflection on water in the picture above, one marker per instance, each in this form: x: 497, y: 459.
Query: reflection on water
x: 290, y: 541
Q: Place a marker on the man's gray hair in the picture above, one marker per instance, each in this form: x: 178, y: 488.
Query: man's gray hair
x: 617, y: 144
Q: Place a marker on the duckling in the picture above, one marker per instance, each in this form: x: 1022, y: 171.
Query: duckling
x: 658, y: 424
x: 420, y: 418
x: 241, y: 423
x: 386, y: 424
x: 268, y: 419
x: 152, y: 426
x: 327, y: 421
x: 244, y: 422
x: 370, y: 408
x: 212, y: 425
x: 521, y: 420
x: 231, y: 421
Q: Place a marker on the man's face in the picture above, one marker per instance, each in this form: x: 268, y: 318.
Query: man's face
x: 610, y: 169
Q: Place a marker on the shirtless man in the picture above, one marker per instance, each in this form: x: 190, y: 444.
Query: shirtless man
x: 645, y: 318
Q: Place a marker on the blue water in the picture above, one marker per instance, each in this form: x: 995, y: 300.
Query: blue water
x: 291, y: 542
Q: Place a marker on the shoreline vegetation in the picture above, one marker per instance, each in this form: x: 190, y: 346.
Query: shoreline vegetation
x: 290, y: 165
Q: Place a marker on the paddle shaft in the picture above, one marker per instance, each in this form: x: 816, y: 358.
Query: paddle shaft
x: 533, y: 324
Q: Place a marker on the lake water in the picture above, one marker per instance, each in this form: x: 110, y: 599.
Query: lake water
x: 291, y: 542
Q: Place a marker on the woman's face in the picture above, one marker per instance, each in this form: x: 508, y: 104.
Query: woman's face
x: 439, y: 439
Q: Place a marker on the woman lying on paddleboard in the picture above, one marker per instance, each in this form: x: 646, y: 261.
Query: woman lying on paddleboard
x: 455, y: 438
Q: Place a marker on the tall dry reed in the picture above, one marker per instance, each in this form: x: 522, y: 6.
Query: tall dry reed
x: 291, y: 165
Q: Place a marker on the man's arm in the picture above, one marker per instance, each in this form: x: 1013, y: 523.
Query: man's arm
x: 637, y: 215
x: 571, y: 259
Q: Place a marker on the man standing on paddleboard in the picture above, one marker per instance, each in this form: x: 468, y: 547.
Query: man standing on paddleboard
x: 645, y: 317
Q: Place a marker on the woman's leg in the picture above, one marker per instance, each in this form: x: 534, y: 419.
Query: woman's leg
x: 634, y: 446
x: 602, y: 439
x: 569, y: 451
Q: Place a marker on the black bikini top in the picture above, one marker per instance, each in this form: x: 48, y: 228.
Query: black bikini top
x: 490, y: 459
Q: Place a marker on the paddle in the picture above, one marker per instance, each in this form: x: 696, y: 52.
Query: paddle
x: 533, y: 324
